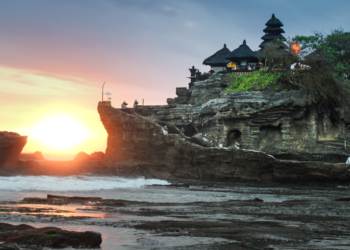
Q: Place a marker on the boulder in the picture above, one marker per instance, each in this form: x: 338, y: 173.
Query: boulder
x: 98, y: 155
x: 11, y: 145
x: 82, y: 157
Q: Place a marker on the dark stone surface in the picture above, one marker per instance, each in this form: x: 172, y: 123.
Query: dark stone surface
x: 28, y: 236
x: 11, y: 145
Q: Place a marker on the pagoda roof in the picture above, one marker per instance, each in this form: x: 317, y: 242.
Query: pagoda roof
x: 241, y: 53
x: 218, y: 58
x: 274, y: 22
x: 270, y: 29
x: 282, y: 45
x: 273, y: 36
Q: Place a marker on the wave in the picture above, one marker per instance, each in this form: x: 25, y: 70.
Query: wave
x: 72, y: 183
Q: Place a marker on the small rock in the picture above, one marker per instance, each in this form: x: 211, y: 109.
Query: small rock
x: 343, y: 199
x: 258, y: 200
x: 11, y: 246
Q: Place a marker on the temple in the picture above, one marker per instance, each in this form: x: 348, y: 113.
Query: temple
x: 218, y: 61
x: 243, y: 58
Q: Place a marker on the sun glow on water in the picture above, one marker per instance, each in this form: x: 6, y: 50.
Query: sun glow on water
x: 59, y: 132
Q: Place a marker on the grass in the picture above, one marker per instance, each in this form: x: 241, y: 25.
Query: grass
x: 260, y: 80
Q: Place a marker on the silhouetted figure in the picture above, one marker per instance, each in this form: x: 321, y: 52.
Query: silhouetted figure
x: 124, y: 104
x: 135, y: 104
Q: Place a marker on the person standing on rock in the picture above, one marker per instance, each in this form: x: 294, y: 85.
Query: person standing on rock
x: 135, y: 104
x: 124, y: 104
x: 348, y: 161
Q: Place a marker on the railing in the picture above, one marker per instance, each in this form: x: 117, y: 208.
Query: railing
x: 241, y: 72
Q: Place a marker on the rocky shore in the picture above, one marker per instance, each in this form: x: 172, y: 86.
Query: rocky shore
x: 260, y: 217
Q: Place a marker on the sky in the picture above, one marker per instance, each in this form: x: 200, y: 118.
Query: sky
x: 56, y: 54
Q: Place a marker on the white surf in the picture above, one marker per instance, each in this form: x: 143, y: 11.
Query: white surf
x: 72, y: 183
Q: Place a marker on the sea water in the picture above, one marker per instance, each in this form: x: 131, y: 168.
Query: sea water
x: 15, y: 188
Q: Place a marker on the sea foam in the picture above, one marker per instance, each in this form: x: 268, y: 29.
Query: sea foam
x: 72, y: 183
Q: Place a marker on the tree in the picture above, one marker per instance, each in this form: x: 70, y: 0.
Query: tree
x: 276, y: 54
x: 328, y: 58
x: 333, y: 49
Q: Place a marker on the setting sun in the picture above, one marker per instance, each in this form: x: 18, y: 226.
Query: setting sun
x: 60, y: 132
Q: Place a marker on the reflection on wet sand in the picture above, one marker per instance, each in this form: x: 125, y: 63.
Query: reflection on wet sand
x: 56, y: 210
x: 215, y: 216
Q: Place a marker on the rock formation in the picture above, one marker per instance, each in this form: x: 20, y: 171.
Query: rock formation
x: 11, y: 145
x: 38, y: 156
x: 286, y: 124
x: 237, y: 134
x: 53, y: 237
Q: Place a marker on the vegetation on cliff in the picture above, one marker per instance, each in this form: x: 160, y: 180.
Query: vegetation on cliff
x: 260, y: 80
x: 322, y: 68
x: 328, y: 60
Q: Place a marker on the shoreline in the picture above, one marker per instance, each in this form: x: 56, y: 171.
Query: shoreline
x: 236, y: 217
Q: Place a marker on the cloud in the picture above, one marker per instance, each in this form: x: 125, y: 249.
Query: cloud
x: 191, y: 24
x: 34, y: 83
x: 154, y: 6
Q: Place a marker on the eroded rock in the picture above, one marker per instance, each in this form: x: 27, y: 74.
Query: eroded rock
x: 28, y: 236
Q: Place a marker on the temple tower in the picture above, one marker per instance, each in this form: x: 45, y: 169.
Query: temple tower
x: 273, y: 31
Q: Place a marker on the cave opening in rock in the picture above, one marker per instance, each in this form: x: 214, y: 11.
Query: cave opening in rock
x: 234, y: 138
x: 270, y: 138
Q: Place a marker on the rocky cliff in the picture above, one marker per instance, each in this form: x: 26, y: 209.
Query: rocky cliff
x: 286, y: 124
x: 235, y: 135
x: 11, y: 145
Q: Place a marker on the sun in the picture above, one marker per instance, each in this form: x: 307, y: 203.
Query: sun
x: 59, y: 132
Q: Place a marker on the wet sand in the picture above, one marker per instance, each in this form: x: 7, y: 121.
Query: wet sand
x: 260, y: 217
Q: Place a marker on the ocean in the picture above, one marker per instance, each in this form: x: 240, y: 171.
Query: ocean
x: 158, y: 201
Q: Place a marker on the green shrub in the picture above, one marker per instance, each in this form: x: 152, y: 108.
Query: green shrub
x: 260, y: 80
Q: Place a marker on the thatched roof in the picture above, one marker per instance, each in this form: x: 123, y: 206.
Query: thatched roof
x: 269, y: 29
x: 243, y: 52
x: 219, y: 58
x: 274, y: 22
x: 273, y: 37
x: 281, y: 44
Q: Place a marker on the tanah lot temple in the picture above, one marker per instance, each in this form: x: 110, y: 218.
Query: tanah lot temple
x: 243, y: 60
x: 228, y: 134
x: 239, y: 61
